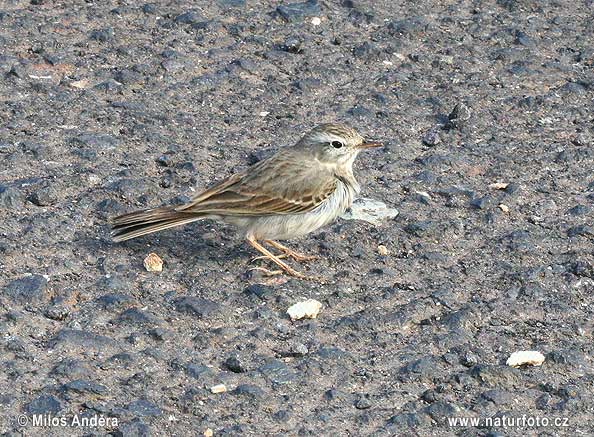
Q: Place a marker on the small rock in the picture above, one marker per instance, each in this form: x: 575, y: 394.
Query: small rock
x: 292, y: 45
x: 277, y: 372
x: 235, y: 365
x: 190, y: 17
x: 84, y: 386
x: 307, y: 309
x: 382, y: 250
x: 363, y: 403
x: 152, y: 263
x: 196, y: 306
x: 27, y: 290
x: 431, y: 138
x: 103, y: 35
x: 503, y: 208
x: 249, y: 390
x: 80, y: 84
x: 580, y: 230
x: 10, y: 198
x: 458, y: 117
x: 294, y: 12
x: 499, y: 186
x: 370, y: 210
x: 208, y: 432
x: 315, y: 21
x: 525, y: 358
x: 44, y: 196
x: 143, y: 407
x: 219, y: 388
x: 44, y: 404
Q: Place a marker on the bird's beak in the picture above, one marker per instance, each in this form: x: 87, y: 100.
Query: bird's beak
x: 370, y: 145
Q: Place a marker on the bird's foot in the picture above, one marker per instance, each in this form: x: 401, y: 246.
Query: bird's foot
x: 288, y: 252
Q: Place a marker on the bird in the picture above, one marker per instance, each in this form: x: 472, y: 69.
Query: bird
x: 294, y: 192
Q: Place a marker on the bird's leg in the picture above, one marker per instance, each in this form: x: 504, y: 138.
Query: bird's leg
x: 289, y: 252
x: 267, y: 272
x: 272, y: 257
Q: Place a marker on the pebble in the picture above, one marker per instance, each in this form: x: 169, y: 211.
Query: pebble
x: 503, y: 207
x: 208, y: 432
x: 219, y: 388
x: 152, y: 263
x: 370, y: 210
x: 294, y: 12
x: 499, y: 186
x: 29, y: 289
x: 525, y: 358
x: 316, y: 21
x: 382, y: 250
x: 308, y: 309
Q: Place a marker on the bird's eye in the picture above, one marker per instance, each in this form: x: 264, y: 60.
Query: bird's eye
x: 336, y: 144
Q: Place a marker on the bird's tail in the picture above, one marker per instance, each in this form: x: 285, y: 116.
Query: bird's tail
x: 147, y: 221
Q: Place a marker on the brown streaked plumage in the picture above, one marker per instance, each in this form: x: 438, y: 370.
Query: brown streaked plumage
x: 294, y: 192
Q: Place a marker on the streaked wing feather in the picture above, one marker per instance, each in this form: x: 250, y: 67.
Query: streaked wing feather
x: 249, y: 193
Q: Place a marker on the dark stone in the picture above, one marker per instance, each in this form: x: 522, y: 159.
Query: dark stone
x: 190, y: 17
x: 84, y: 386
x: 57, y: 311
x: 459, y: 116
x: 308, y: 84
x: 496, y: 376
x: 10, y: 198
x: 263, y: 292
x: 440, y: 411
x: 277, y: 372
x: 423, y: 368
x: 481, y: 202
x: 294, y: 12
x: 581, y: 230
x: 363, y: 403
x: 431, y: 138
x: 44, y: 404
x: 421, y: 229
x: 149, y: 8
x: 137, y: 317
x: 231, y: 3
x: 72, y: 368
x: 115, y: 301
x: 84, y: 339
x: 408, y: 421
x: 293, y: 45
x: 96, y: 141
x: 196, y: 306
x: 236, y: 365
x: 579, y: 210
x: 498, y: 397
x: 143, y: 408
x: 30, y: 289
x: 44, y: 196
x: 249, y: 390
x: 135, y: 428
x: 103, y: 35
x: 367, y: 51
x: 198, y: 371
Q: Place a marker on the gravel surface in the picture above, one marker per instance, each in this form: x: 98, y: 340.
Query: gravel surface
x: 111, y: 106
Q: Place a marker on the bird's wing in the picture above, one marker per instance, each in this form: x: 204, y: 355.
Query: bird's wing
x: 283, y: 184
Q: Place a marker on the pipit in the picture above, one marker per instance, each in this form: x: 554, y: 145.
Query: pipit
x: 294, y: 192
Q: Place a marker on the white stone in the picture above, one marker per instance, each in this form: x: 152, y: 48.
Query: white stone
x: 370, y: 210
x: 525, y: 358
x: 316, y: 21
x: 220, y: 388
x: 308, y: 309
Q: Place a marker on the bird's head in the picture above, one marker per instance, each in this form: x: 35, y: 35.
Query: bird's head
x: 335, y: 144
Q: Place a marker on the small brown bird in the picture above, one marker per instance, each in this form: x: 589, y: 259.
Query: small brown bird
x: 292, y: 193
